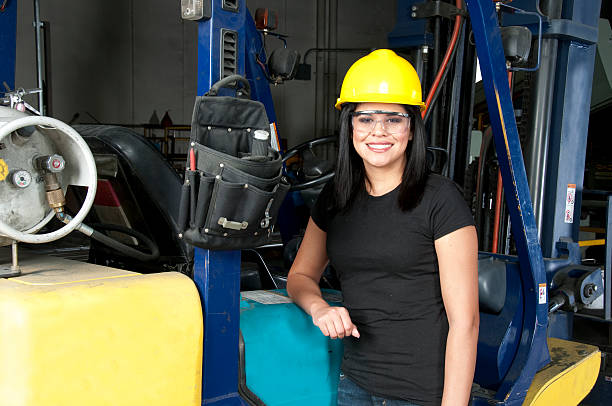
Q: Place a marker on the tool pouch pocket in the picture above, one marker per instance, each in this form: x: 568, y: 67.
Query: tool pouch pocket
x: 230, y: 199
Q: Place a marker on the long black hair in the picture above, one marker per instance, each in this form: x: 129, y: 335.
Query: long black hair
x: 349, y: 182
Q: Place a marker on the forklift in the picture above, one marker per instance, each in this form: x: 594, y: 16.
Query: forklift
x: 74, y: 333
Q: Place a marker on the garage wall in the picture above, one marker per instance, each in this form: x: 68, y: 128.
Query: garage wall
x: 117, y: 61
x: 114, y: 60
x: 305, y: 108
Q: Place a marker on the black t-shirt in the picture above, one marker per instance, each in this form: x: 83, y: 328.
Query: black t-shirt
x: 388, y: 270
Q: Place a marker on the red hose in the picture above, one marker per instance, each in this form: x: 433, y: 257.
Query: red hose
x: 498, y: 195
x: 447, y: 55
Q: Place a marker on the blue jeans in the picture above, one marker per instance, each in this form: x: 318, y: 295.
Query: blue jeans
x: 351, y: 394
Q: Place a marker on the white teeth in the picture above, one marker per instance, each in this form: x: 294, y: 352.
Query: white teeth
x: 379, y: 146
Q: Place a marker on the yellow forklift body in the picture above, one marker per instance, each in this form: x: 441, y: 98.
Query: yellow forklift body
x: 79, y: 334
x: 569, y: 377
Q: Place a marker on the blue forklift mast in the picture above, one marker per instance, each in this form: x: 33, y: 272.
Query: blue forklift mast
x: 532, y: 353
x: 217, y: 273
x: 8, y: 44
x: 228, y: 43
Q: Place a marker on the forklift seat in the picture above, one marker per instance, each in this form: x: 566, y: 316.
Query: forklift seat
x: 151, y: 188
x: 147, y: 184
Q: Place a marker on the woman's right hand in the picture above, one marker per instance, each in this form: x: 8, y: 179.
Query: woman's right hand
x: 303, y: 286
x: 333, y: 321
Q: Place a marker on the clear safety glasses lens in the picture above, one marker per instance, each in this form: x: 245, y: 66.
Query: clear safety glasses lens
x: 391, y: 122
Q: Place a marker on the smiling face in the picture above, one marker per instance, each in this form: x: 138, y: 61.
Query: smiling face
x: 379, y: 148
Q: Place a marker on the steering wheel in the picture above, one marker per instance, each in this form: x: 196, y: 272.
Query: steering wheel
x: 323, y: 176
x: 49, y: 136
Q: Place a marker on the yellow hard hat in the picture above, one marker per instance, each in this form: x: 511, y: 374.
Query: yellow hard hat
x: 381, y: 77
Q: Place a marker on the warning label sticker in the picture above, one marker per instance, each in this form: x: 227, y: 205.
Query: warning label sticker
x: 265, y: 297
x: 570, y: 201
x: 542, y: 293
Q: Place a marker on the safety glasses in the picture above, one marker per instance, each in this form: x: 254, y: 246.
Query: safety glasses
x: 392, y: 122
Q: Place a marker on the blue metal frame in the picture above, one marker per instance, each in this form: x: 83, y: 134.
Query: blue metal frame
x: 532, y: 352
x: 569, y: 127
x: 409, y: 31
x: 499, y: 333
x: 563, y: 28
x: 217, y: 277
x: 209, y: 43
x: 8, y: 30
x: 576, y: 31
x: 217, y: 273
x: 249, y: 46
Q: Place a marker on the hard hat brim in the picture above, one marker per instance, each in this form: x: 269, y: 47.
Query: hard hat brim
x: 379, y: 99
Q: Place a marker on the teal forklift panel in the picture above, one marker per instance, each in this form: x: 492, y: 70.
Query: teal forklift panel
x: 288, y: 361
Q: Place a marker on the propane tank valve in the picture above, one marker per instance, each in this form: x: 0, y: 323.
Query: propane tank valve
x: 52, y: 163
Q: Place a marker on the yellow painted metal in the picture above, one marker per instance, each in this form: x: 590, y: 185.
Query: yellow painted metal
x: 3, y: 170
x: 81, y: 334
x: 590, y: 243
x: 597, y: 230
x: 568, y: 378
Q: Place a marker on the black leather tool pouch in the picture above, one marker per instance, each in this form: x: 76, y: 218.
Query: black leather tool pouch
x: 230, y: 198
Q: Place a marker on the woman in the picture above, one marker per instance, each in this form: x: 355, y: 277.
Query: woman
x: 403, y: 243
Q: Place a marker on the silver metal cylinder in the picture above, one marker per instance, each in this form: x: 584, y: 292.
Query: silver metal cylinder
x: 536, y: 151
x: 15, y: 265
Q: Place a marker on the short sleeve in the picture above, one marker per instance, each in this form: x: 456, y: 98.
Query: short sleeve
x: 321, y: 212
x: 449, y: 211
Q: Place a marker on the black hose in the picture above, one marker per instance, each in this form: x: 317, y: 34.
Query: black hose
x: 487, y: 140
x: 122, y: 248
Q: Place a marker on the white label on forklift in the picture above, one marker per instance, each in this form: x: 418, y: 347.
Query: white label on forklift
x: 542, y: 293
x: 570, y: 200
x: 265, y: 297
